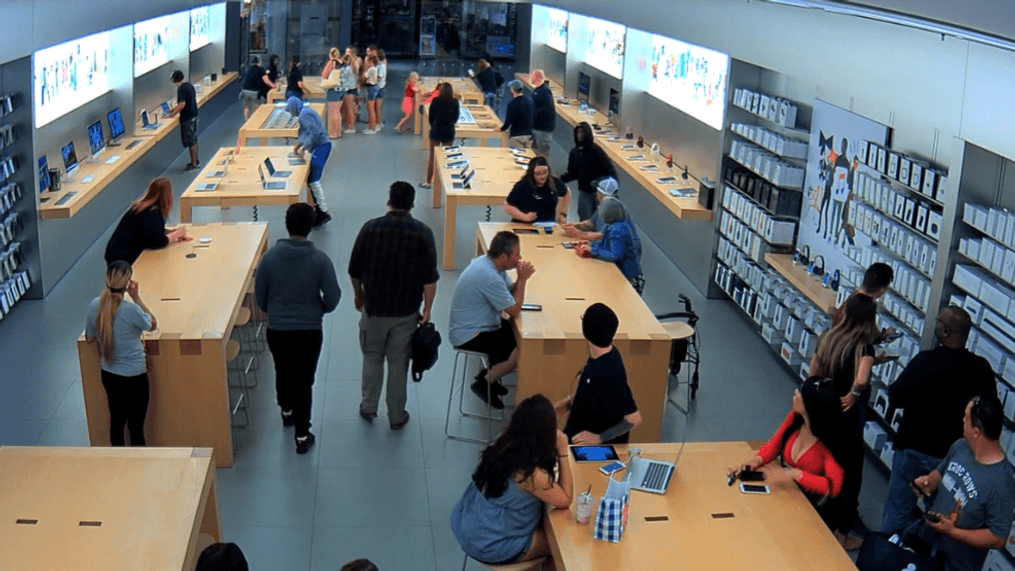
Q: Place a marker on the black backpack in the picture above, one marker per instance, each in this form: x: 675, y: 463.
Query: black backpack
x: 425, y: 343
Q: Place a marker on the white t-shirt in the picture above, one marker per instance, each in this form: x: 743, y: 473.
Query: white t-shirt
x: 382, y: 75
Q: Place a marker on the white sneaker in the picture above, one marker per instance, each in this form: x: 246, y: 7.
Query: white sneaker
x: 349, y: 131
x: 370, y: 132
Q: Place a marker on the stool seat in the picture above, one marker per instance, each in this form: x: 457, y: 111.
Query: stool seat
x: 232, y: 350
x: 470, y: 353
x: 677, y: 330
x: 243, y: 317
x: 533, y: 565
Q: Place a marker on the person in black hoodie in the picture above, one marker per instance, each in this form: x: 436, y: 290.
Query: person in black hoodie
x: 587, y: 163
x: 544, y: 119
x: 143, y: 226
x: 443, y: 117
x: 519, y: 117
x: 487, y: 82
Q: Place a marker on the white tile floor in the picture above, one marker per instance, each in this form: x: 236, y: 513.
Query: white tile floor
x: 365, y: 491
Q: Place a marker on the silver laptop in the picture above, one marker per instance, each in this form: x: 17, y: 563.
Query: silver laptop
x: 273, y: 172
x: 650, y: 475
x: 269, y: 185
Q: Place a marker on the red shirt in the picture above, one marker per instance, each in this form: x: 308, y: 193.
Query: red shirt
x: 821, y: 473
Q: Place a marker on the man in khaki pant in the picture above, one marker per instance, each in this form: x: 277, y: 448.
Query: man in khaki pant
x: 393, y: 269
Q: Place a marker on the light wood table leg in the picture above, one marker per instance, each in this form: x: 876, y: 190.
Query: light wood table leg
x: 436, y: 187
x: 482, y: 141
x: 242, y: 138
x: 450, y: 213
x: 264, y: 142
x: 185, y: 210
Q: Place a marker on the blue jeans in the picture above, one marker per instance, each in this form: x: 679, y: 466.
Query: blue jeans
x: 318, y: 157
x: 489, y: 99
x: 900, y: 507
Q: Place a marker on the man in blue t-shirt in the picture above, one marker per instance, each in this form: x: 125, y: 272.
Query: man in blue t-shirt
x: 972, y: 509
x: 186, y: 108
x: 483, y: 291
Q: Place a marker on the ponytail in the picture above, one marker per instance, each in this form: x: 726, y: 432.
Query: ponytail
x: 117, y: 278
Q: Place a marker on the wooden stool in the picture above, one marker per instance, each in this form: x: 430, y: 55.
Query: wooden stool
x: 252, y: 362
x: 680, y: 331
x: 489, y: 416
x: 232, y: 353
x: 534, y: 565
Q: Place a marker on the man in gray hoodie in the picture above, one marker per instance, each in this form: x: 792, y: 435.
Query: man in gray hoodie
x: 312, y: 138
x: 296, y: 285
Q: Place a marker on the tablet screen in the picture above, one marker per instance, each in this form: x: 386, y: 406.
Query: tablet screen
x: 594, y: 453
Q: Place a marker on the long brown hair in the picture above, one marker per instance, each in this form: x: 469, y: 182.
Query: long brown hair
x: 117, y: 278
x: 528, y: 442
x: 160, y: 193
x: 446, y: 92
x: 847, y: 338
x: 530, y: 172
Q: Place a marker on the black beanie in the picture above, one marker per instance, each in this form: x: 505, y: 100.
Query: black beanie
x: 222, y: 557
x: 599, y: 325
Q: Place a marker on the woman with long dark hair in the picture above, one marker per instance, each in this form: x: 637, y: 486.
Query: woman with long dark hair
x: 538, y: 196
x: 116, y: 324
x: 294, y: 83
x: 443, y: 117
x: 143, y: 226
x: 803, y: 442
x: 845, y: 354
x: 497, y: 519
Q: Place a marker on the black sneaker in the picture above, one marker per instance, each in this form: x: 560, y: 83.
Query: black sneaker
x: 479, y: 389
x: 191, y: 168
x: 400, y: 425
x: 287, y: 419
x: 322, y: 219
x: 368, y: 416
x: 302, y: 446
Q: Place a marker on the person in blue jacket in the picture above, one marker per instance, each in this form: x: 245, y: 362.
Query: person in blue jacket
x: 312, y: 137
x: 620, y: 243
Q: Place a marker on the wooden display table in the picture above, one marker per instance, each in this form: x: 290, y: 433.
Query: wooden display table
x: 486, y: 126
x: 808, y: 285
x: 496, y: 174
x: 97, y: 509
x: 256, y: 128
x: 311, y: 83
x: 555, y: 88
x: 196, y: 301
x: 465, y: 90
x: 73, y: 196
x: 682, y: 208
x: 241, y: 185
x: 552, y: 349
x: 699, y: 523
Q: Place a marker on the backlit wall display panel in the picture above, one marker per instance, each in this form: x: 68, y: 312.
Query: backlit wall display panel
x: 199, y: 22
x: 604, y: 48
x: 691, y: 78
x: 69, y: 75
x: 557, y: 28
x: 151, y: 45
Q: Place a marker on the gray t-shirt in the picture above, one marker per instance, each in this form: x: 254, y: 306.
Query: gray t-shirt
x: 987, y: 494
x: 480, y: 295
x: 128, y: 352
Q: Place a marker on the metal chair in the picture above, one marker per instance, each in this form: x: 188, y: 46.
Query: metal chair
x: 489, y: 416
x: 684, y: 348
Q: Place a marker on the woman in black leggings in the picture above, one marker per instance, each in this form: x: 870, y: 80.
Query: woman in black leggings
x: 116, y: 324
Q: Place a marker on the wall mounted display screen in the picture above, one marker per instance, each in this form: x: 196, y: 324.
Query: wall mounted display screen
x: 69, y: 75
x: 604, y: 49
x: 557, y: 30
x: 151, y: 45
x: 690, y: 78
x: 199, y: 24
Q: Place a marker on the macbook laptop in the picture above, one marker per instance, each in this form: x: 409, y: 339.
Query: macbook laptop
x: 269, y: 185
x: 273, y: 172
x: 147, y: 123
x: 650, y: 475
x: 466, y: 182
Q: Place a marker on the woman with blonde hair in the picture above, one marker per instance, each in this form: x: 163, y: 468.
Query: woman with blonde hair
x: 334, y: 94
x: 350, y: 85
x: 370, y: 80
x: 116, y: 324
x: 409, y: 101
x: 352, y: 110
x: 143, y: 226
x: 382, y: 84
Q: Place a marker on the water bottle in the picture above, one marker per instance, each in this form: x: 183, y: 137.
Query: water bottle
x: 583, y: 511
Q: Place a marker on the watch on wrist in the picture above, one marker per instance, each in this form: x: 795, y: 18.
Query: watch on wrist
x: 855, y: 392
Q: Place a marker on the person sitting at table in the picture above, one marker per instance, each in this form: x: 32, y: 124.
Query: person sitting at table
x: 620, y: 243
x: 443, y: 117
x: 592, y: 229
x: 518, y: 121
x: 587, y: 163
x: 802, y: 441
x: 538, y: 196
x: 482, y: 292
x: 143, y: 226
x: 602, y: 410
x: 222, y: 557
x: 497, y: 519
x: 312, y: 137
x: 116, y: 325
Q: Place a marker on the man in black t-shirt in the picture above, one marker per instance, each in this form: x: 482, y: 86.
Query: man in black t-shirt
x: 602, y: 410
x: 186, y: 108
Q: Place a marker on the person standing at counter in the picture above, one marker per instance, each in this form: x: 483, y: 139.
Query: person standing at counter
x: 314, y: 139
x: 294, y: 82
x: 587, y: 163
x: 273, y: 72
x: 254, y: 85
x: 186, y: 108
x: 296, y: 284
x: 544, y: 116
x: 538, y: 196
x: 143, y: 226
x: 518, y: 122
x: 443, y: 118
x: 116, y: 325
x: 487, y: 82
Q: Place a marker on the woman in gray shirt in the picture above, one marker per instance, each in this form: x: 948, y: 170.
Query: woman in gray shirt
x: 116, y: 325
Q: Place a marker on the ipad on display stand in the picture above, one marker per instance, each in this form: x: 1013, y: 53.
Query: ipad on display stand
x: 96, y: 140
x: 44, y: 180
x: 70, y: 160
x: 116, y: 130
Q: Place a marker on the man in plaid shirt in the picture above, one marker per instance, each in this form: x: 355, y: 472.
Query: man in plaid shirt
x: 393, y: 269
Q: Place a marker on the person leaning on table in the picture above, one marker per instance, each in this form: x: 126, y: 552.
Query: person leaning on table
x: 602, y: 409
x: 116, y: 325
x: 143, y: 226
x: 592, y: 229
x: 538, y: 196
x: 620, y: 243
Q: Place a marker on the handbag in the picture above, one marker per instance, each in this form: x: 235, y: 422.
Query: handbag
x: 611, y: 518
x: 879, y: 553
x: 333, y: 80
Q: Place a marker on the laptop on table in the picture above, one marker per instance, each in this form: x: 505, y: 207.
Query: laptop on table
x: 273, y: 172
x: 279, y: 185
x: 147, y: 123
x: 650, y: 475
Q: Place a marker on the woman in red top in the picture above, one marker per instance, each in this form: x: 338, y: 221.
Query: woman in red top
x: 800, y: 441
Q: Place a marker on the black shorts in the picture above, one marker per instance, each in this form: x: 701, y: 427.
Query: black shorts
x: 497, y: 344
x: 188, y: 132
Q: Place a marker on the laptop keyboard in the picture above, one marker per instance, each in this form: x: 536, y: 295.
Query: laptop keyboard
x: 654, y: 476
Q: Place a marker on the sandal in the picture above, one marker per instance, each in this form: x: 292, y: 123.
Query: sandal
x: 424, y: 185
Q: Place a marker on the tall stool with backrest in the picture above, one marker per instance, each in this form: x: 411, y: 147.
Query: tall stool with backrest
x: 489, y: 416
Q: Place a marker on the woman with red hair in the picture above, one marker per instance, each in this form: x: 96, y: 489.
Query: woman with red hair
x: 143, y: 226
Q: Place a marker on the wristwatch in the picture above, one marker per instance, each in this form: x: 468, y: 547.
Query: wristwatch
x: 855, y: 392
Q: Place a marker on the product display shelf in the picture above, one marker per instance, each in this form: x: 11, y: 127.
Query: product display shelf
x: 1001, y: 250
x: 882, y: 177
x: 751, y: 168
x: 15, y: 170
x: 889, y: 254
x: 730, y: 184
x: 753, y: 231
x: 984, y: 267
x: 797, y: 275
x: 794, y: 130
x: 893, y: 218
x: 770, y: 148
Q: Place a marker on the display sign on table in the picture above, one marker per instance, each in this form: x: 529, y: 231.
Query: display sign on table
x: 690, y: 78
x: 151, y: 44
x: 557, y: 36
x: 604, y: 49
x: 68, y: 75
x: 199, y: 24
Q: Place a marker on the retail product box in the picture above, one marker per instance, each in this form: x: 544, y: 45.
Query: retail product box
x: 929, y: 182
x: 1009, y: 406
x: 771, y: 335
x: 789, y: 354
x: 990, y: 351
x: 806, y: 346
x: 861, y: 151
x: 921, y: 219
x: 904, y: 165
x: 780, y: 231
x: 916, y: 175
x: 779, y: 317
x: 872, y: 155
x: 787, y: 114
x: 968, y: 278
x: 882, y: 166
x: 995, y: 296
x: 974, y: 308
x: 881, y: 402
x: 1008, y: 266
x: 997, y: 262
x: 1009, y: 230
x: 996, y: 561
x: 893, y: 164
x: 942, y: 188
x: 897, y: 419
x: 986, y: 254
x: 934, y: 220
x: 874, y: 435
x: 887, y: 453
x: 909, y: 213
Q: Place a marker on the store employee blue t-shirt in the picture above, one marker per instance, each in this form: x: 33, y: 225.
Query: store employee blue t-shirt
x: 480, y: 295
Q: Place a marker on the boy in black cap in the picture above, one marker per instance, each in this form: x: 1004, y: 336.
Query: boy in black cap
x: 602, y: 410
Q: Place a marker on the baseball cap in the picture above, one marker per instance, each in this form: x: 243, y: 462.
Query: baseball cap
x: 608, y: 186
x: 515, y: 85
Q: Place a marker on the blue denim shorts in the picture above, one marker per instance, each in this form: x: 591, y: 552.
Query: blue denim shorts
x: 380, y: 93
x: 352, y: 92
x: 372, y: 91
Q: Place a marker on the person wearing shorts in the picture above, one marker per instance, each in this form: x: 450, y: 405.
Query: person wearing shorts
x: 186, y: 108
x: 483, y: 291
x: 544, y: 116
